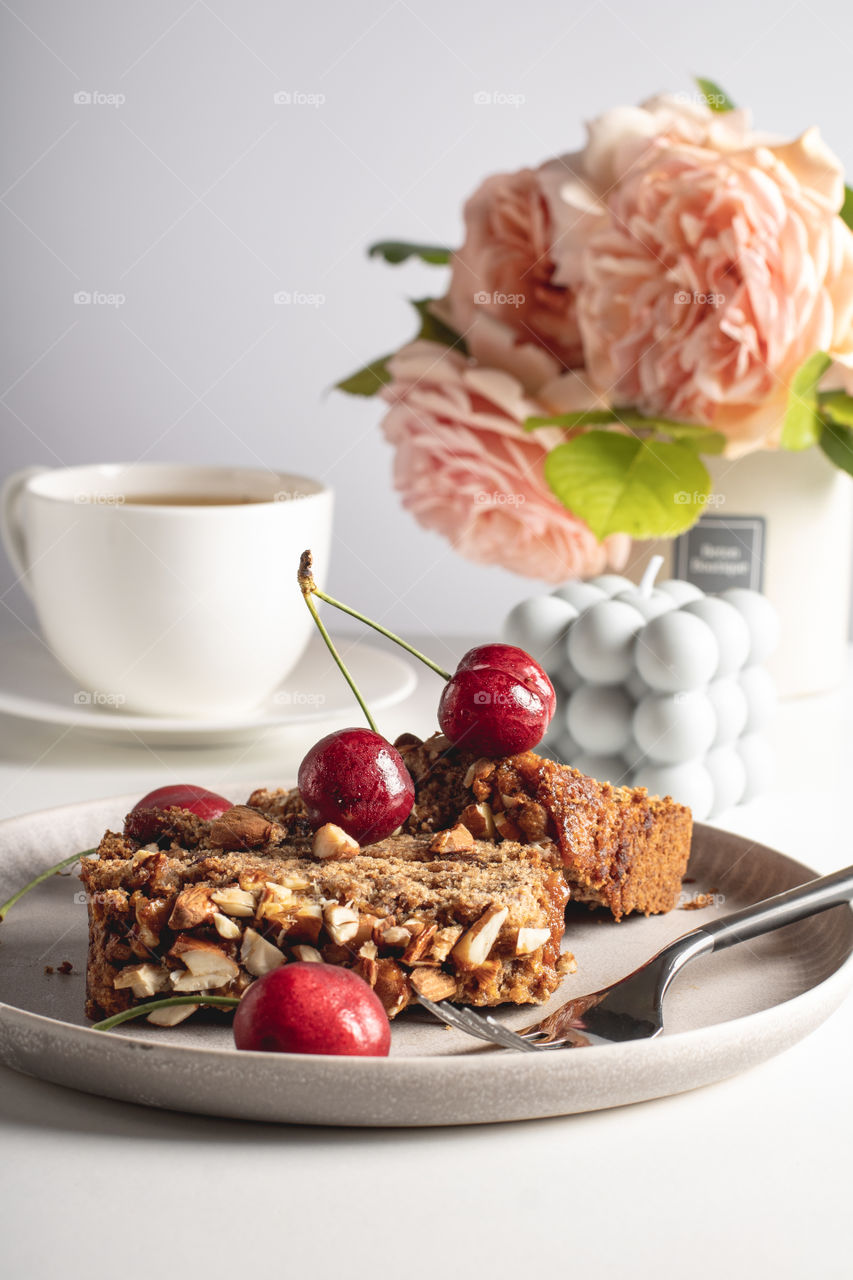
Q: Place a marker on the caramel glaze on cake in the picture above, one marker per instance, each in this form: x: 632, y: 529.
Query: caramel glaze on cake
x: 621, y: 848
x: 455, y: 918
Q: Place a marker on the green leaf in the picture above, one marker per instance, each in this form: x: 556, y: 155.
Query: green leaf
x: 584, y: 418
x: 367, y: 381
x: 702, y: 439
x: 619, y: 484
x: 714, y: 96
x: 838, y: 406
x: 802, y: 425
x: 396, y: 251
x: 846, y: 210
x: 434, y: 330
x: 837, y: 443
x: 374, y: 376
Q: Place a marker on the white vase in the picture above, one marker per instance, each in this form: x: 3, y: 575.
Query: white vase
x: 781, y: 523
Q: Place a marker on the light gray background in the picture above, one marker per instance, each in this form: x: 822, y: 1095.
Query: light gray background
x: 198, y: 198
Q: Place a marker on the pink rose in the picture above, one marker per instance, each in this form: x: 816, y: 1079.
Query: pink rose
x: 707, y: 264
x: 502, y: 294
x: 465, y: 468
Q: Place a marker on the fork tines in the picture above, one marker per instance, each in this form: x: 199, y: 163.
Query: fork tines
x: 475, y: 1024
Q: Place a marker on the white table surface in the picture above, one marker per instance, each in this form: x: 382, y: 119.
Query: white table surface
x: 750, y: 1177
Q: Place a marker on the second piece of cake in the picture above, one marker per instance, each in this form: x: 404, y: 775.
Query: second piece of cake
x: 621, y: 848
x: 451, y: 917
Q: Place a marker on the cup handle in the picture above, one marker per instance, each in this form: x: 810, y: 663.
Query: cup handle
x: 11, y: 524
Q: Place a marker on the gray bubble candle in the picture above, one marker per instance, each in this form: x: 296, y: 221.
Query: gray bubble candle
x: 659, y: 685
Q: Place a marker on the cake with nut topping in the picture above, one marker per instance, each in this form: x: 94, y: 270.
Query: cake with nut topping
x: 465, y: 904
x: 208, y: 907
x: 620, y: 848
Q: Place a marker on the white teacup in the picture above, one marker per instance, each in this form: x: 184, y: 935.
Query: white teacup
x: 186, y: 604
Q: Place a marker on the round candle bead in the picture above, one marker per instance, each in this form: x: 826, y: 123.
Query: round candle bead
x: 612, y: 583
x: 601, y: 642
x: 636, y: 686
x: 651, y: 605
x: 602, y: 768
x: 539, y: 626
x: 760, y: 693
x: 676, y: 651
x: 754, y: 750
x: 557, y: 726
x: 634, y: 754
x: 564, y: 748
x: 730, y: 707
x: 761, y: 618
x: 567, y: 677
x: 680, y: 591
x: 599, y: 718
x: 580, y: 595
x: 688, y: 784
x: 674, y: 727
x: 730, y: 631
x: 728, y: 775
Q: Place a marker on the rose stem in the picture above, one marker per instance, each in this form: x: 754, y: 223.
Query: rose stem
x: 5, y: 907
x: 306, y: 593
x: 137, y: 1010
x: 309, y: 587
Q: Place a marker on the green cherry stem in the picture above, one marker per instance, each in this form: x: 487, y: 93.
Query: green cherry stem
x: 142, y: 1010
x: 5, y: 907
x: 306, y: 583
x: 309, y: 588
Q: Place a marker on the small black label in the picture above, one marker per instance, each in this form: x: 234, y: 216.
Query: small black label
x: 721, y: 552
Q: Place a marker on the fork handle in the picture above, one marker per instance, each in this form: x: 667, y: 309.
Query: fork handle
x: 784, y: 908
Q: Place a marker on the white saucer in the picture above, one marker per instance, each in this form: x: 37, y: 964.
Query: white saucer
x: 35, y: 687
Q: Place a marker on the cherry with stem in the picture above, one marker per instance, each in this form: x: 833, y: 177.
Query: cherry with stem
x: 143, y: 824
x: 353, y: 778
x: 309, y: 588
x: 499, y: 701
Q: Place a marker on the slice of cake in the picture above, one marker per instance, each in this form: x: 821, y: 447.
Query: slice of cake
x: 211, y: 906
x: 620, y: 847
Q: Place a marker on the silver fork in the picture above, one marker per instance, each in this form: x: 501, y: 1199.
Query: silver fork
x: 632, y: 1009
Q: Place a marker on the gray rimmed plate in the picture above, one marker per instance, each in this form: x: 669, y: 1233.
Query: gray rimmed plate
x: 725, y: 1013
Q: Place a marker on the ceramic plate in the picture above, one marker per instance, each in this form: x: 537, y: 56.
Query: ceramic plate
x: 33, y: 685
x: 725, y: 1012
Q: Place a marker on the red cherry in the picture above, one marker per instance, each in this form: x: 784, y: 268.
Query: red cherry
x: 144, y: 824
x: 357, y: 780
x: 498, y: 702
x: 516, y: 662
x: 312, y: 1008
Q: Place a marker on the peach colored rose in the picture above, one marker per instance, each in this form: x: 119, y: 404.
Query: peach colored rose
x: 707, y: 263
x: 502, y: 294
x: 466, y: 469
x: 577, y: 185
